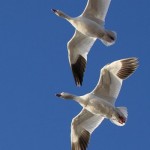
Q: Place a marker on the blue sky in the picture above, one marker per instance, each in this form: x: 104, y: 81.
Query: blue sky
x: 34, y: 66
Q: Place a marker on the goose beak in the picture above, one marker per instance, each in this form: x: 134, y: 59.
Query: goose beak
x: 58, y: 95
x: 54, y: 10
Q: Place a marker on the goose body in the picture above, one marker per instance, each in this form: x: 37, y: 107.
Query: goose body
x: 89, y: 26
x: 100, y: 103
x: 98, y: 106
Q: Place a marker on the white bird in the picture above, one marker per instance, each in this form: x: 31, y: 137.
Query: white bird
x: 100, y: 103
x: 89, y: 26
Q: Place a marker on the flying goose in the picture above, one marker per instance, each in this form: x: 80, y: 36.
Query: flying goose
x: 100, y: 103
x: 89, y: 26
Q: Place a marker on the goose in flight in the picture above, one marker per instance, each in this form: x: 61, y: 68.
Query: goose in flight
x: 100, y: 103
x: 89, y: 26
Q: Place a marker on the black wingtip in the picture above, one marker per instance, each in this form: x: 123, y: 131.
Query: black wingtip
x: 83, y: 141
x: 129, y: 65
x: 78, y: 70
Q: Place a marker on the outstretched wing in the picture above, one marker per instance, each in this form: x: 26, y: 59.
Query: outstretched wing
x: 82, y: 127
x: 78, y: 49
x: 96, y: 10
x: 111, y: 78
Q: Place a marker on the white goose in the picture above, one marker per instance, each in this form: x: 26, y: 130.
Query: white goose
x: 89, y: 27
x: 100, y: 103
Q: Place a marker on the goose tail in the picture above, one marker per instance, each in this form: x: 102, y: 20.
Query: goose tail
x: 109, y: 38
x: 122, y: 118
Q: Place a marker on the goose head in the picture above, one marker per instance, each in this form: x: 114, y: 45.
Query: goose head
x: 60, y: 13
x: 65, y: 95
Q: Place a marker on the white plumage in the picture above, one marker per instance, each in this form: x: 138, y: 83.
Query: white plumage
x: 100, y: 103
x: 89, y: 26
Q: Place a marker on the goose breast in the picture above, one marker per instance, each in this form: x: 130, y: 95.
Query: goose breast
x: 87, y: 27
x: 100, y: 106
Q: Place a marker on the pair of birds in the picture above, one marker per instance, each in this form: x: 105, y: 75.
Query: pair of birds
x: 100, y: 103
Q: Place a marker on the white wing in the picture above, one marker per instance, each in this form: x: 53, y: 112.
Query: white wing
x: 111, y: 78
x: 96, y: 9
x: 82, y: 127
x: 78, y: 49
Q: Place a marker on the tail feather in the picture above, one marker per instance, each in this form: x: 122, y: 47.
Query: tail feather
x: 124, y: 111
x: 109, y: 38
x: 123, y: 117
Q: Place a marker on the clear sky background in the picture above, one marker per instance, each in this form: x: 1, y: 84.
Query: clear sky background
x: 34, y: 66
